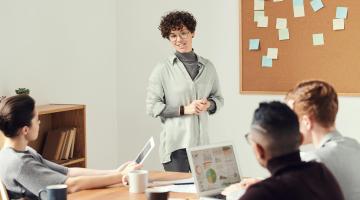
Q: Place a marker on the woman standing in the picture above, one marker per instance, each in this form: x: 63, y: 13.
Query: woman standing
x: 183, y: 90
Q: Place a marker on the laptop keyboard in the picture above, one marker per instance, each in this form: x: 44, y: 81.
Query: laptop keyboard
x: 219, y: 196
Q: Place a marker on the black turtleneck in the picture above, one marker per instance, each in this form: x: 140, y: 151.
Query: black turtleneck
x: 190, y: 62
x: 294, y: 179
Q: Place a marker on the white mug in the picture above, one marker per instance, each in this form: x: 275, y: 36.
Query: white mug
x: 137, y: 180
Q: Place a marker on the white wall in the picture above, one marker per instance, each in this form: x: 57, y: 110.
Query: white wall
x: 65, y: 52
x: 217, y: 38
x: 101, y: 53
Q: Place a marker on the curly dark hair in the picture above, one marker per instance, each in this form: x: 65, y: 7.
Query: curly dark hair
x: 175, y: 20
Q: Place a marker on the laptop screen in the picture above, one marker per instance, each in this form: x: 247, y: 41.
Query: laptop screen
x: 213, y: 167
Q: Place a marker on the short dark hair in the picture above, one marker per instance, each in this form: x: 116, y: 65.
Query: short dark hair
x: 175, y: 20
x: 16, y: 112
x: 281, y: 127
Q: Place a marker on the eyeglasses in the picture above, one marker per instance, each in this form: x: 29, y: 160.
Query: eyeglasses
x: 183, y: 35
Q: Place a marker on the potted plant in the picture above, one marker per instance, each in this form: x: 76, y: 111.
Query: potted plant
x: 22, y: 91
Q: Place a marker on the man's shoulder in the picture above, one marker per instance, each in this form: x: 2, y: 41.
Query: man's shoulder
x: 260, y: 190
x: 338, y: 148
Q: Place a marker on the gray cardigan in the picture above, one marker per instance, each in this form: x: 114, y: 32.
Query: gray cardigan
x: 171, y: 85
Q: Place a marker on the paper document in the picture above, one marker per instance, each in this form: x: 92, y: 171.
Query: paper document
x: 178, y: 188
x: 172, y: 182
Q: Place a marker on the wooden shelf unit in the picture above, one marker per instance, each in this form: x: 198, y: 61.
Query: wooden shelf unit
x: 54, y: 116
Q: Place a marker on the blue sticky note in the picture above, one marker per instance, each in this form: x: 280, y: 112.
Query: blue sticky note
x: 254, y: 44
x: 266, y: 62
x: 318, y: 39
x: 298, y: 2
x: 316, y: 5
x: 341, y: 12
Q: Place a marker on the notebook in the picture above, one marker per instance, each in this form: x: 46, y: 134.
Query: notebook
x: 214, y: 167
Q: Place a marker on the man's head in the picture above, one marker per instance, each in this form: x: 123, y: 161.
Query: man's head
x: 274, y: 131
x: 179, y: 28
x: 315, y: 103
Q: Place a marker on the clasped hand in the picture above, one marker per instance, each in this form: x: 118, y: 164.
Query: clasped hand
x: 197, y: 107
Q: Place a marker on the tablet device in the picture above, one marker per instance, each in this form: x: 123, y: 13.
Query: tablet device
x: 150, y: 144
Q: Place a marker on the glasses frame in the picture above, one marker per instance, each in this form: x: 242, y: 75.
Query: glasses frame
x: 183, y: 35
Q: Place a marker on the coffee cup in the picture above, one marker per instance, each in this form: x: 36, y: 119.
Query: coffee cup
x: 157, y: 194
x: 136, y: 180
x: 54, y: 192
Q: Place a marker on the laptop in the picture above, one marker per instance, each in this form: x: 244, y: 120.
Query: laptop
x: 214, y: 167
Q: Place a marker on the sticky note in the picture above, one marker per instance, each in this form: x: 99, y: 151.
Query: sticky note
x: 318, y: 39
x: 341, y: 12
x: 284, y: 34
x: 263, y: 22
x: 281, y: 23
x: 316, y: 5
x: 298, y: 2
x: 259, y: 4
x: 338, y: 24
x: 272, y: 53
x: 257, y: 14
x: 254, y: 44
x: 266, y: 62
x: 298, y: 7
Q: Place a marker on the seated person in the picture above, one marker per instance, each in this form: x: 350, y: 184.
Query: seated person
x: 24, y: 172
x: 275, y: 139
x: 316, y: 105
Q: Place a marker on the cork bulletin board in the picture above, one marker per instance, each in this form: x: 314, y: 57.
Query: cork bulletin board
x: 337, y: 61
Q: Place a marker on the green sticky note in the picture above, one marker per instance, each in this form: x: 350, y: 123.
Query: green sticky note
x: 284, y: 34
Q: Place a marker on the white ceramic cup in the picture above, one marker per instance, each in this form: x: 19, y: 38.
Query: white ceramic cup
x: 137, y: 181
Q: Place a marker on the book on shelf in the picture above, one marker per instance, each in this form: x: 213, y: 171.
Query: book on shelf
x: 53, y: 144
x: 59, y: 144
x: 70, y: 142
x: 64, y: 145
x: 73, y: 143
